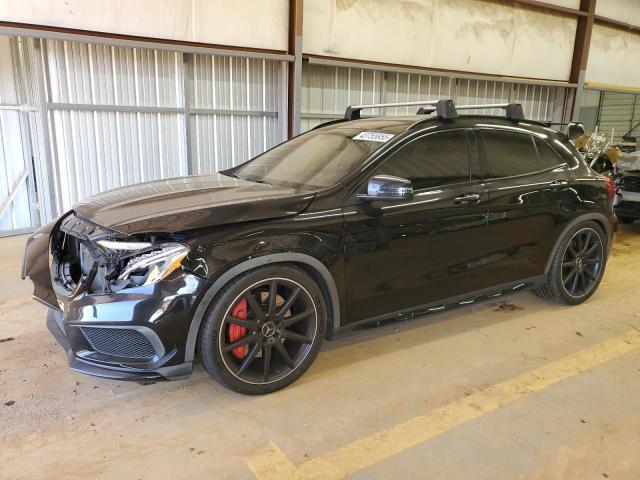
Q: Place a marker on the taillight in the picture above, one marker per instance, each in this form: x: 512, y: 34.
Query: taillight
x: 611, y: 187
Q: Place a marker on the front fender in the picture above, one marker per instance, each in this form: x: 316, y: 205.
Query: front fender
x: 249, y: 264
x: 35, y: 264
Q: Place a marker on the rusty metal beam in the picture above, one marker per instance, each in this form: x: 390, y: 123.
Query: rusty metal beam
x: 90, y: 36
x: 610, y: 22
x: 583, y: 39
x: 294, y: 85
x: 550, y: 8
x: 581, y: 52
x: 398, y: 67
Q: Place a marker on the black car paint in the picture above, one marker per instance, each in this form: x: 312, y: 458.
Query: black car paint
x: 373, y: 259
x: 186, y: 203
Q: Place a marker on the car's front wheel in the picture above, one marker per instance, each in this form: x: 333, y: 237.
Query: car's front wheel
x: 264, y: 329
x: 577, y: 266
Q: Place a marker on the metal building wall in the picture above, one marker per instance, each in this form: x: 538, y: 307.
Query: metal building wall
x: 16, y: 176
x: 328, y: 89
x: 619, y: 112
x: 98, y: 117
x: 98, y: 145
x: 234, y: 110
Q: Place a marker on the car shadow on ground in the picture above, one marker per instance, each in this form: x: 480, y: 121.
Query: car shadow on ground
x: 360, y: 345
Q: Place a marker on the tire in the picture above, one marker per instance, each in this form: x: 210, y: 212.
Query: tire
x: 239, y: 336
x: 626, y: 220
x: 588, y: 271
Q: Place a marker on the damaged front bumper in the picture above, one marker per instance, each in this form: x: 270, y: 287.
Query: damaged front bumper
x: 136, y: 333
x: 133, y: 335
x: 113, y: 372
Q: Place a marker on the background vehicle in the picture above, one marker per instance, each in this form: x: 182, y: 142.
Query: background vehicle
x: 627, y: 203
x: 356, y: 222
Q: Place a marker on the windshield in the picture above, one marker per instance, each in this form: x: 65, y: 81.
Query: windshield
x: 319, y: 158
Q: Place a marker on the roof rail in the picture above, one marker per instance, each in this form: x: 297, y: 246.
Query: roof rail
x: 444, y: 108
x: 513, y: 110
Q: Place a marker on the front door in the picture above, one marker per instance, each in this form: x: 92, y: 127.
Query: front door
x: 400, y: 255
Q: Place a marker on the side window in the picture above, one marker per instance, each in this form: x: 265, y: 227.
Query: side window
x: 548, y: 157
x: 431, y: 161
x: 509, y: 153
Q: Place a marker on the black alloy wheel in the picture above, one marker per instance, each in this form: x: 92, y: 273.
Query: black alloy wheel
x: 264, y: 330
x: 582, y: 262
x: 278, y: 329
x: 577, y: 265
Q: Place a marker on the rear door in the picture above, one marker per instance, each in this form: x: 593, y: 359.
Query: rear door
x: 529, y: 197
x: 400, y: 255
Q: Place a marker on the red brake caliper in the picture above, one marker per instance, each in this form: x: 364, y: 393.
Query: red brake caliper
x: 236, y: 332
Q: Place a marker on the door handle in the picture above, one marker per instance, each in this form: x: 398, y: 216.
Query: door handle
x: 558, y: 183
x: 467, y: 199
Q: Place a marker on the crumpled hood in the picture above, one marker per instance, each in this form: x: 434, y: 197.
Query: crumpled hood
x: 186, y: 203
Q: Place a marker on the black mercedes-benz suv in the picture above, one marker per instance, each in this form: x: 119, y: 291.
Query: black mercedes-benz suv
x: 357, y: 222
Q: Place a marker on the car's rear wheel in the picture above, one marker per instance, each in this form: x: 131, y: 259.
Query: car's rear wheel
x: 578, y: 265
x: 263, y: 330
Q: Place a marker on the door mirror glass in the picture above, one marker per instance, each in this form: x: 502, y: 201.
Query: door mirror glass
x: 386, y: 187
x: 576, y: 130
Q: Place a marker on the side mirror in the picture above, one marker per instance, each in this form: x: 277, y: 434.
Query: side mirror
x: 386, y: 187
x: 576, y: 130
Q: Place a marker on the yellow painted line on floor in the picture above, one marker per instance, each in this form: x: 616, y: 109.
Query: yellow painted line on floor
x: 272, y: 463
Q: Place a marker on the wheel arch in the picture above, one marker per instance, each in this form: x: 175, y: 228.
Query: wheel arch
x: 312, y: 266
x: 599, y: 218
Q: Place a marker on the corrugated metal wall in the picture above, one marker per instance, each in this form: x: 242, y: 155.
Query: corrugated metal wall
x: 234, y: 110
x: 619, y: 112
x: 328, y: 89
x: 97, y: 145
x: 93, y: 117
x: 17, y: 183
x: 85, y: 118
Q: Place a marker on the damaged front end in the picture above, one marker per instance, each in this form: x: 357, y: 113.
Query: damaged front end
x: 98, y: 260
x: 121, y: 305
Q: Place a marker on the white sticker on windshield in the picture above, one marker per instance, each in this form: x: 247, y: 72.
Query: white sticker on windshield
x: 374, y: 137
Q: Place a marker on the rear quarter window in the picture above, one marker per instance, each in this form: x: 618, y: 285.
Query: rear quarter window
x: 548, y: 156
x: 509, y: 153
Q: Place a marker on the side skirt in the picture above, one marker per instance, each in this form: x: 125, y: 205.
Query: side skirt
x: 467, y: 299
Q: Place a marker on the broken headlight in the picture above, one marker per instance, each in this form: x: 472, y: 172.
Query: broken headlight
x: 146, y: 263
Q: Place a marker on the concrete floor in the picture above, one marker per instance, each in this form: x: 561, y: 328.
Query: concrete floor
x: 445, y: 397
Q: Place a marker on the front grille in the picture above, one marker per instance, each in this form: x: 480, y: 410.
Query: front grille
x: 630, y: 184
x: 119, y: 342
